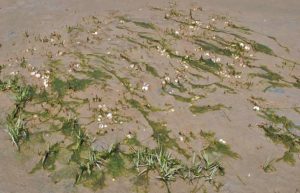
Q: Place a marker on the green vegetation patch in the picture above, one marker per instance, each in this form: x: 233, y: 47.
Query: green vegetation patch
x: 61, y: 87
x: 280, y: 130
x: 269, y: 75
x: 217, y: 148
x: 203, y: 109
x: 170, y: 168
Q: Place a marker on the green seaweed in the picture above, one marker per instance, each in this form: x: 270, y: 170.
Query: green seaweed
x: 177, y: 86
x: 269, y: 75
x: 215, y: 147
x: 242, y: 28
x: 23, y: 63
x: 50, y: 156
x: 276, y: 119
x: 133, y: 141
x: 289, y: 158
x: 182, y: 99
x: 268, y: 166
x: 60, y: 87
x: 160, y: 131
x: 221, y: 148
x: 213, y: 48
x: 203, y: 109
x: 228, y: 89
x: 258, y: 47
x: 78, y: 84
x: 115, y: 164
x: 151, y: 70
x: 145, y: 25
x: 280, y: 131
x: 47, y: 162
x: 98, y: 75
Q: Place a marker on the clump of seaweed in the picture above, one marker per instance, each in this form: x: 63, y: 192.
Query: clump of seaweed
x: 269, y: 75
x: 280, y: 130
x: 268, y: 166
x: 203, y: 109
x: 160, y: 131
x: 217, y: 148
x: 49, y: 157
x: 61, y: 87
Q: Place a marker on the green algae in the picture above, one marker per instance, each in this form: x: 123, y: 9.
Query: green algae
x: 67, y: 172
x: 217, y: 148
x: 72, y: 129
x: 177, y: 86
x: 76, y: 28
x: 23, y: 63
x: 146, y: 25
x: 203, y: 109
x: 161, y: 136
x: 241, y: 28
x: 50, y: 156
x: 280, y: 132
x: 95, y: 180
x: 160, y: 131
x: 268, y: 166
x: 258, y: 47
x: 291, y: 142
x: 213, y: 48
x: 61, y: 87
x: 132, y: 40
x: 289, y: 158
x: 276, y: 119
x: 78, y: 84
x: 133, y: 141
x: 151, y: 70
x: 269, y: 75
x: 150, y: 39
x: 115, y: 165
x: 142, y: 24
x: 297, y: 109
x: 98, y: 75
x: 220, y: 148
x: 47, y: 162
x: 205, y: 64
x: 90, y: 170
x: 182, y: 99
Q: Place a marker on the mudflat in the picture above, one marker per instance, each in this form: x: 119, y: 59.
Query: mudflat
x: 149, y: 96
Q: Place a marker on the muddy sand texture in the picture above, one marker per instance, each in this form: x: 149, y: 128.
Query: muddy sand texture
x: 212, y: 81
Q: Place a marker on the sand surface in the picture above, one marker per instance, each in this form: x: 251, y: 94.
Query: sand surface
x: 121, y: 41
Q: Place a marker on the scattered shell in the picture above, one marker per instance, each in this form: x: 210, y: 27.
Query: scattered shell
x: 129, y: 136
x: 145, y: 87
x: 222, y: 141
x: 256, y: 108
x: 109, y: 115
x: 181, y: 138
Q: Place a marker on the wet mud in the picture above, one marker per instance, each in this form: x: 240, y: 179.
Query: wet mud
x: 132, y: 96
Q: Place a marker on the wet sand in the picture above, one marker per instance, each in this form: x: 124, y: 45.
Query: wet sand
x: 273, y: 23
